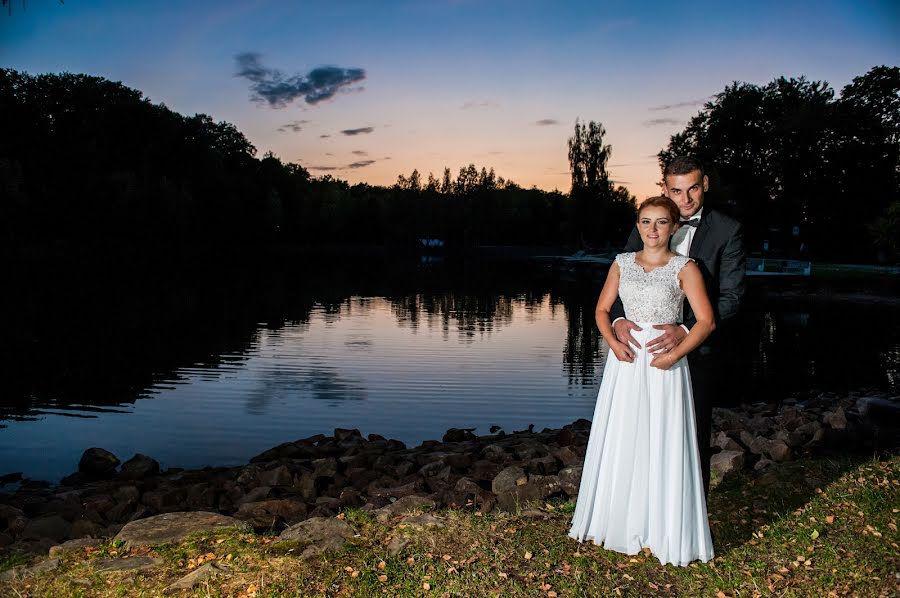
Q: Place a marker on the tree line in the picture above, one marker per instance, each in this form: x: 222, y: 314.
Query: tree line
x: 90, y: 164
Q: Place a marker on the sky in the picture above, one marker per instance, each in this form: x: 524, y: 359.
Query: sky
x: 367, y: 90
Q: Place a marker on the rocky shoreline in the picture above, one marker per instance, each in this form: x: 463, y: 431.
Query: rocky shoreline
x: 313, y: 479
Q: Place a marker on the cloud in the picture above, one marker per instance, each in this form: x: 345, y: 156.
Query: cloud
x: 294, y: 127
x: 547, y: 122
x: 272, y: 86
x: 324, y: 136
x: 359, y: 131
x: 654, y: 122
x: 678, y: 105
x: 360, y: 164
x: 479, y: 104
x: 359, y: 153
x: 351, y: 166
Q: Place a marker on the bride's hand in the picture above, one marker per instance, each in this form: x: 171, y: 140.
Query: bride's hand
x: 663, y: 361
x: 622, y: 351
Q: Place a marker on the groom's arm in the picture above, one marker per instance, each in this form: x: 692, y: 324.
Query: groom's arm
x: 732, y: 276
x: 634, y: 244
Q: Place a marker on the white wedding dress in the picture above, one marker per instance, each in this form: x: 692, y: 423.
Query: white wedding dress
x: 641, y: 485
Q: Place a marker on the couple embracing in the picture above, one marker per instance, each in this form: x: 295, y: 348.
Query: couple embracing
x: 646, y: 469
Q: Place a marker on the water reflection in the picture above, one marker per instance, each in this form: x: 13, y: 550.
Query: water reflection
x: 106, y: 344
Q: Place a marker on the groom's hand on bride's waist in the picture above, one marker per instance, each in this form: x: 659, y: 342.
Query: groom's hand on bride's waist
x: 623, y: 328
x: 672, y: 335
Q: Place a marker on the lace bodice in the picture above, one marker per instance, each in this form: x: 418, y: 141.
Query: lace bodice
x: 652, y: 297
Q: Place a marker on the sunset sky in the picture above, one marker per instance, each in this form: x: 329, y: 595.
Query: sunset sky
x: 367, y: 90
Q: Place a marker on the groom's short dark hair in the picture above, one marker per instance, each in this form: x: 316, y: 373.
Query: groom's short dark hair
x: 683, y: 165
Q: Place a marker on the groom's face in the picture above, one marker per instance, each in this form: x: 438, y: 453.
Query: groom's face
x: 687, y: 191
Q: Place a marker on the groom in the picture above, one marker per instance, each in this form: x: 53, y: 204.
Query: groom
x: 716, y: 242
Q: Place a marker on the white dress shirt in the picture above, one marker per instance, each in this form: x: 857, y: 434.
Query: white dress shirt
x: 681, y: 240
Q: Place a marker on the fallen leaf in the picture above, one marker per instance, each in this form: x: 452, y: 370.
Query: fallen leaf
x: 220, y: 540
x: 446, y: 557
x: 348, y: 569
x: 341, y: 516
x: 503, y: 575
x: 814, y: 534
x: 382, y: 578
x: 528, y: 556
x: 354, y: 574
x: 381, y: 565
x: 426, y: 586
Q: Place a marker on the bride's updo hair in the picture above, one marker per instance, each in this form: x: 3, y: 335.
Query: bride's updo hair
x: 661, y: 201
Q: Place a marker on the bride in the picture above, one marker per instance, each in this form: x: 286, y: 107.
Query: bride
x: 641, y: 486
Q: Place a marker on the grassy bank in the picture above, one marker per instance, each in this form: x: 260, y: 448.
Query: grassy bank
x: 806, y: 528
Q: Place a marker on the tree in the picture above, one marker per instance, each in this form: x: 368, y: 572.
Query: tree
x: 591, y: 187
x: 788, y: 157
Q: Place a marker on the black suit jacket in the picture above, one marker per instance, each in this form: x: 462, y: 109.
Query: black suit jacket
x: 718, y: 249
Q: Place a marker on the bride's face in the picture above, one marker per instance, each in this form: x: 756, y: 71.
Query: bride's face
x: 655, y: 226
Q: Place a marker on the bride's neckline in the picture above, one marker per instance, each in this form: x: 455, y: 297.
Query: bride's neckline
x: 645, y: 271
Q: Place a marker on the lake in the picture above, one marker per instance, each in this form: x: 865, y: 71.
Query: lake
x: 212, y: 364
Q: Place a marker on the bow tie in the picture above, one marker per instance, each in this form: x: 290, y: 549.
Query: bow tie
x: 692, y: 222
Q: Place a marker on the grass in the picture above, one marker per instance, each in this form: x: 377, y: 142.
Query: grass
x: 807, y: 528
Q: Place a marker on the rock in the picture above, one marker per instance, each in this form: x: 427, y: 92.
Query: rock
x: 570, y: 479
x: 271, y: 513
x: 397, y: 544
x: 566, y: 437
x: 403, y: 505
x: 172, y: 527
x: 350, y: 498
x: 726, y: 462
x: 508, y: 479
x: 279, y: 476
x: 779, y: 450
x: 320, y: 532
x: 257, y: 494
x: 537, y: 488
x: 836, y: 419
x: 494, y: 452
x: 164, y: 500
x: 534, y: 514
x: 432, y: 469
x: 325, y: 468
x: 139, y: 467
x: 421, y: 521
x: 53, y: 527
x: 134, y: 563
x: 546, y: 465
x: 23, y: 572
x: 76, y: 544
x: 566, y: 456
x: 763, y: 464
x: 98, y: 463
x: 82, y: 528
x: 341, y: 434
x: 458, y: 435
x: 201, y: 574
x: 726, y: 443
x: 397, y: 491
x: 459, y: 461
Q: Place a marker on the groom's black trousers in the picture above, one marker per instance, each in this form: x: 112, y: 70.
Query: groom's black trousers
x: 704, y: 380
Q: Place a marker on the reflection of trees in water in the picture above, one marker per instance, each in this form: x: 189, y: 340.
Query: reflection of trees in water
x: 470, y: 312
x: 581, y: 354
x: 471, y: 315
